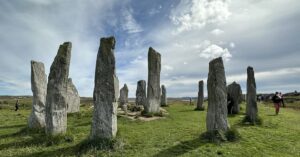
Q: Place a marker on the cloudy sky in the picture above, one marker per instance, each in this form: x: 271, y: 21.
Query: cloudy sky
x: 188, y: 34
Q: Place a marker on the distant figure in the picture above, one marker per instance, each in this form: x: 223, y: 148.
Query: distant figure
x: 191, y: 101
x: 276, y: 100
x: 17, y: 105
x: 230, y: 104
x: 281, y: 97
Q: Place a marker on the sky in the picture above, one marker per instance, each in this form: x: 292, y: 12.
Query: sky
x: 188, y: 34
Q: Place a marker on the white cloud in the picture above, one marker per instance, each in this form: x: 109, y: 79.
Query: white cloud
x: 217, y: 32
x: 196, y: 14
x: 214, y: 51
x: 129, y: 24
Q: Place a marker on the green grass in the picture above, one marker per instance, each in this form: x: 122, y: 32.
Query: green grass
x: 179, y: 134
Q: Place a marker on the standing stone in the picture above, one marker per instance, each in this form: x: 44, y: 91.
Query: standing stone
x: 251, y: 107
x: 124, y: 97
x: 56, y: 101
x: 140, y: 94
x: 39, y: 90
x: 216, y: 118
x: 163, y: 96
x: 73, y: 101
x: 106, y: 92
x: 235, y: 96
x: 200, y: 105
x: 153, y: 89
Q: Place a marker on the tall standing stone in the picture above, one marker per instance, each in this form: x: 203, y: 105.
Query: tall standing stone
x: 106, y: 92
x: 140, y: 94
x: 200, y: 100
x: 153, y: 88
x: 124, y: 97
x: 163, y: 96
x: 251, y: 107
x: 235, y: 96
x: 216, y: 118
x: 73, y: 101
x: 39, y: 90
x: 56, y: 101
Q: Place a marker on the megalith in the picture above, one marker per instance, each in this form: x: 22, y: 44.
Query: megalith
x: 124, y: 97
x: 106, y: 92
x: 56, y: 101
x: 163, y: 98
x: 216, y: 118
x: 153, y: 88
x: 251, y: 107
x: 200, y: 100
x: 140, y: 99
x: 39, y: 90
x: 234, y: 97
x: 73, y: 101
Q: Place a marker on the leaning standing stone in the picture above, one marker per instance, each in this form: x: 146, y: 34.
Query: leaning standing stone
x: 163, y: 96
x: 153, y: 89
x: 251, y: 107
x: 216, y: 118
x: 73, y: 101
x: 39, y: 90
x: 200, y: 105
x: 106, y: 92
x: 56, y: 102
x: 235, y: 95
x: 141, y: 99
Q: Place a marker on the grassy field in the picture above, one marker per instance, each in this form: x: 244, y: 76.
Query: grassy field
x: 176, y: 135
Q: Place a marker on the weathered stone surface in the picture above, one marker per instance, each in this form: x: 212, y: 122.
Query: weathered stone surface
x: 124, y: 95
x: 153, y: 88
x: 163, y: 98
x: 124, y: 98
x: 106, y: 92
x: 251, y: 107
x: 200, y: 100
x: 140, y: 94
x: 216, y: 118
x: 39, y: 90
x: 73, y: 101
x: 56, y: 101
x: 235, y: 96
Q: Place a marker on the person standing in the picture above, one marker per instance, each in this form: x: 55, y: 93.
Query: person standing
x: 281, y: 97
x: 17, y: 105
x: 276, y: 100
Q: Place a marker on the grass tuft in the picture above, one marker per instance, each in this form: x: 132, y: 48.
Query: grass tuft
x: 257, y: 121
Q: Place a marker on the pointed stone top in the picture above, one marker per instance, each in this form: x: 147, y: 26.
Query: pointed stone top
x: 152, y: 51
x: 219, y: 59
x: 36, y: 62
x: 201, y: 81
x: 108, y: 41
x: 250, y: 68
x: 125, y: 86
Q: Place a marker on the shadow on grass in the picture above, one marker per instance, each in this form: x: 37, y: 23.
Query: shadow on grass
x: 12, y: 126
x: 181, y: 148
x: 39, y: 138
x: 81, y: 148
x: 20, y: 132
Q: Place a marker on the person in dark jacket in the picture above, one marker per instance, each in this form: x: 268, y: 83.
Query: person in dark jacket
x: 276, y: 100
x: 17, y: 105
